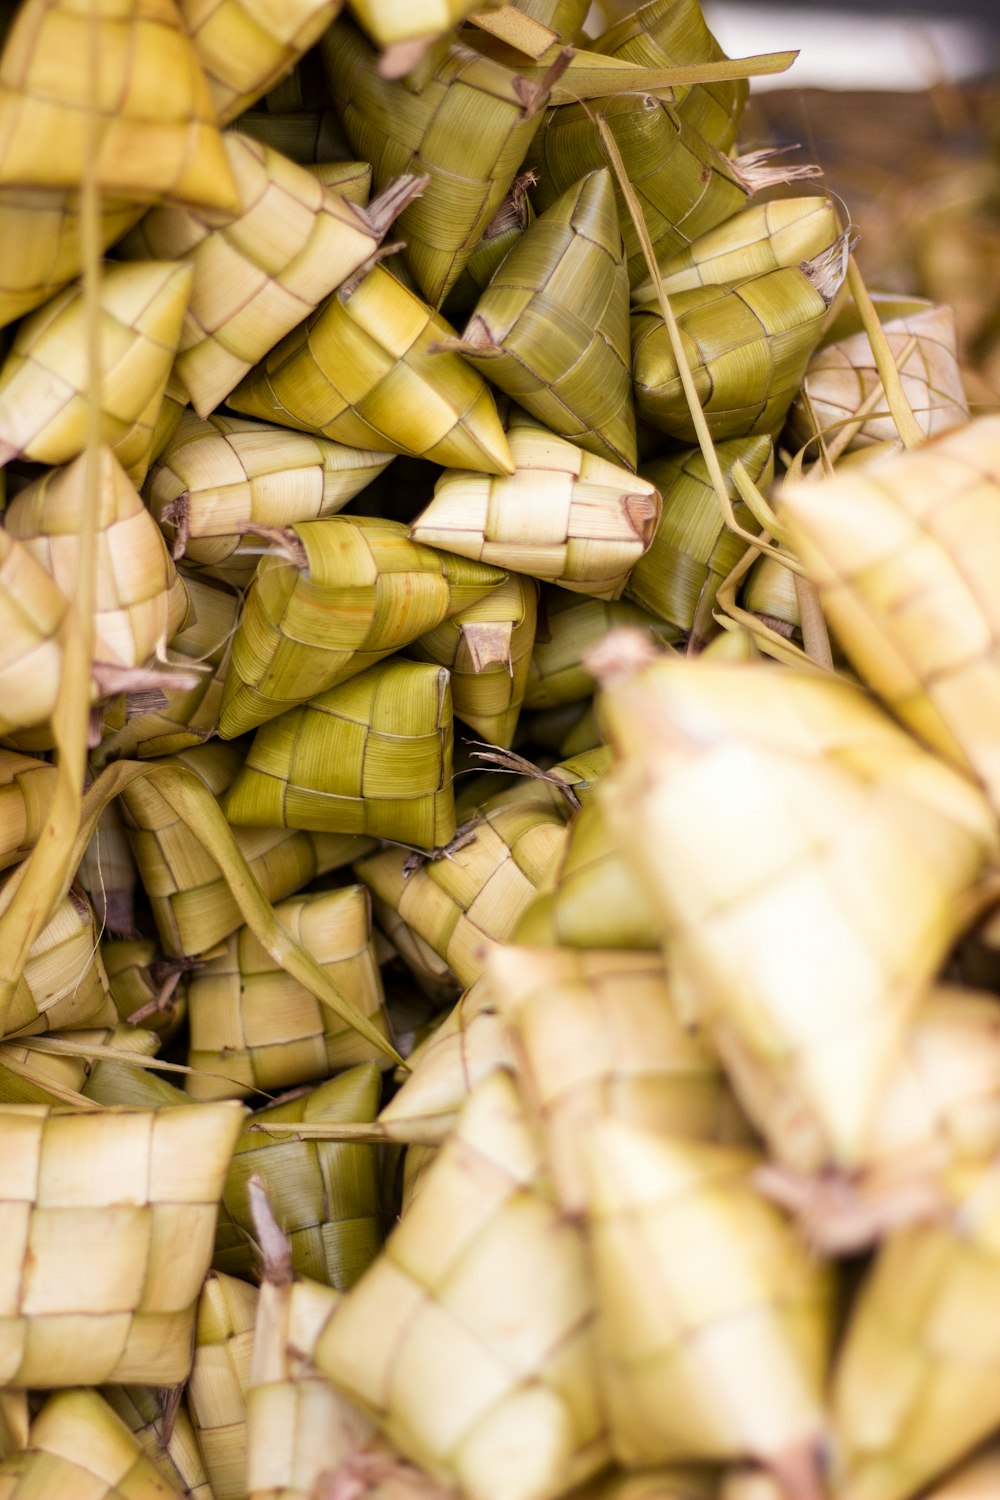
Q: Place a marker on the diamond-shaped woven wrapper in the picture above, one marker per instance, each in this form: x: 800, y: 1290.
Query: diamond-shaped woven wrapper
x: 551, y: 328
x: 684, y: 185
x: 362, y: 370
x: 665, y: 33
x: 371, y: 756
x: 63, y: 984
x: 842, y: 376
x: 324, y: 1194
x: 192, y: 905
x: 596, y: 1037
x: 42, y: 250
x: 503, y: 231
x: 247, y: 46
x: 715, y: 1318
x: 565, y: 516
x: 258, y: 1027
x: 216, y: 474
x: 472, y: 1345
x: 220, y: 1376
x: 568, y: 626
x: 141, y: 600
x: 467, y: 126
x: 917, y: 1382
x: 352, y: 590
x: 429, y: 972
x: 26, y: 787
x: 32, y: 616
x: 487, y: 649
x: 80, y: 1447
x: 259, y: 272
x: 177, y: 1457
x: 693, y: 550
x: 817, y: 802
x: 107, y: 1220
x: 895, y: 553
x: 45, y: 392
x: 464, y: 904
x: 747, y: 344
x: 154, y: 128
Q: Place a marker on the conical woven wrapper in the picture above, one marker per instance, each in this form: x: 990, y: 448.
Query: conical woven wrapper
x: 714, y: 1319
x: 747, y: 343
x: 32, y: 617
x: 140, y: 980
x: 79, y: 1446
x: 468, y: 126
x: 693, y: 550
x: 684, y: 185
x: 895, y: 552
x: 780, y: 232
x: 487, y: 649
x: 470, y: 900
x: 568, y: 627
x: 141, y: 600
x: 259, y: 272
x: 42, y: 244
x: 165, y: 1435
x: 371, y: 756
x: 361, y: 590
x: 108, y: 1224
x: 220, y: 1378
x: 503, y: 231
x: 324, y: 1193
x: 63, y: 983
x: 247, y: 46
x: 842, y: 377
x: 45, y: 382
x: 255, y: 1024
x: 26, y: 787
x: 153, y: 127
x: 363, y: 370
x: 917, y: 1382
x: 216, y: 474
x: 815, y: 803
x: 551, y: 329
x: 596, y: 1037
x: 471, y: 1338
x: 469, y: 1043
x: 107, y: 874
x: 565, y: 516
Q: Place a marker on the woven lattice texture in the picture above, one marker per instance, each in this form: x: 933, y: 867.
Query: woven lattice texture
x: 817, y: 803
x: 152, y: 130
x: 568, y: 627
x: 498, y: 1405
x: 896, y: 552
x: 427, y: 969
x: 258, y: 1027
x: 28, y: 1076
x: 372, y: 756
x: 177, y: 1457
x: 141, y: 600
x: 308, y: 136
x: 551, y: 329
x: 781, y: 232
x: 63, y: 983
x: 355, y: 589
x: 509, y: 222
x: 324, y: 1193
x: 108, y: 1220
x: 45, y: 391
x: 42, y: 249
x: 447, y: 1065
x: 747, y: 343
x: 917, y: 1382
x: 256, y: 273
x: 564, y: 516
x: 80, y: 1447
x: 26, y: 787
x: 487, y: 649
x: 220, y: 1377
x: 139, y: 980
x: 466, y: 903
x: 247, y: 46
x: 192, y: 905
x: 362, y: 370
x: 842, y: 381
x: 693, y: 550
x: 216, y: 475
x: 466, y: 126
x: 714, y: 1316
x: 32, y: 613
x: 684, y: 185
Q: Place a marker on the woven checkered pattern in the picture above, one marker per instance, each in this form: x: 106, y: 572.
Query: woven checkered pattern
x: 255, y: 1024
x: 45, y: 382
x: 470, y: 1042
x: 220, y: 1376
x: 177, y: 1457
x: 487, y: 1402
x: 247, y: 46
x: 107, y: 1219
x: 26, y: 787
x: 41, y: 238
x: 63, y: 984
x: 32, y: 611
x: 568, y: 626
x: 136, y: 982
